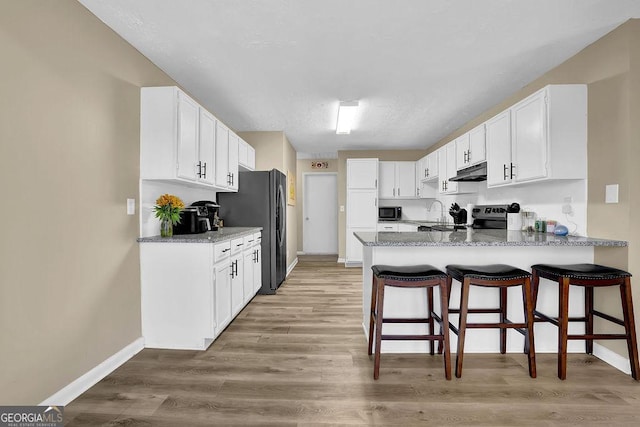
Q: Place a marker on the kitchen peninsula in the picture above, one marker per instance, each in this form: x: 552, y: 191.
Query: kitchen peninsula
x: 474, y: 247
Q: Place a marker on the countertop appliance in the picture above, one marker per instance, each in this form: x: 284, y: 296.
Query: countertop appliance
x: 390, y: 213
x: 490, y: 216
x: 260, y: 202
x: 193, y: 220
x: 212, y: 211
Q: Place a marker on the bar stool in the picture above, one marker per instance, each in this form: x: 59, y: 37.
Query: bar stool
x: 590, y: 276
x: 418, y: 276
x: 494, y: 276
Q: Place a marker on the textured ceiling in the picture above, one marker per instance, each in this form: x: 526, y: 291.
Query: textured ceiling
x: 420, y: 68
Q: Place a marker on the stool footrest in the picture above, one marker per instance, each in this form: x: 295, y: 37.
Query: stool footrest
x: 496, y: 325
x: 608, y: 317
x: 413, y: 337
x: 404, y: 320
x: 597, y: 337
x: 477, y: 310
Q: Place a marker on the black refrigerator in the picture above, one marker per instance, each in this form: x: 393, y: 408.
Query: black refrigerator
x: 260, y: 202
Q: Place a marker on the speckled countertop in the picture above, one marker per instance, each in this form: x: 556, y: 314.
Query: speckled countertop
x: 471, y: 237
x: 225, y: 233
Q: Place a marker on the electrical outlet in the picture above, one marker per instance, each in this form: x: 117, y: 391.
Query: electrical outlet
x: 131, y: 206
x: 341, y: 208
x: 567, y: 209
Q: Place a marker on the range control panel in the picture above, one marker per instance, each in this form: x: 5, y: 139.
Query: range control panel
x: 498, y: 212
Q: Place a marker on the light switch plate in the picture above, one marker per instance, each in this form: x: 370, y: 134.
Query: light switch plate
x: 341, y: 208
x: 611, y: 193
x: 131, y: 206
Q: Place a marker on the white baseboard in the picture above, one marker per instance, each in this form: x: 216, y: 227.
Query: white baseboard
x: 341, y: 260
x: 353, y: 264
x: 85, y: 382
x: 300, y: 253
x: 292, y: 266
x: 619, y: 362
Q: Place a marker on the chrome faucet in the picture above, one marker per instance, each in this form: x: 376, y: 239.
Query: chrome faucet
x: 442, y: 219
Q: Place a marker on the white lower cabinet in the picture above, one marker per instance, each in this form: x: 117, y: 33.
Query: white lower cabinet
x: 191, y: 291
x: 257, y: 263
x: 237, y: 276
x: 385, y: 226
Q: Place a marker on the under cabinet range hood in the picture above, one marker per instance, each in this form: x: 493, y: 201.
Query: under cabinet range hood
x: 473, y: 173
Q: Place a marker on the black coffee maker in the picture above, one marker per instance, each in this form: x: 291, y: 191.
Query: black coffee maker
x: 211, y: 211
x: 193, y: 220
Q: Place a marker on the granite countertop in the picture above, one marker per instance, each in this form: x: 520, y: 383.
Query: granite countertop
x: 471, y: 237
x: 225, y: 233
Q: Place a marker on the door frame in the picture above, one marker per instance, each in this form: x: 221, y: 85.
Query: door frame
x: 304, y: 204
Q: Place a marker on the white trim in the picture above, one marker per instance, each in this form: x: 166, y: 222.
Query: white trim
x: 291, y: 267
x: 64, y: 396
x: 341, y: 260
x: 300, y: 253
x: 619, y: 362
x: 353, y: 264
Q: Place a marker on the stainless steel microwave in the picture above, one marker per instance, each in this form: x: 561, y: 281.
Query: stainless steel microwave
x: 390, y: 213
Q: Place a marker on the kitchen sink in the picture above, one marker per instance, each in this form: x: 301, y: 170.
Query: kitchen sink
x: 441, y: 227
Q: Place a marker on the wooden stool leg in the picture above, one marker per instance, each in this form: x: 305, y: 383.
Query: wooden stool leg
x: 527, y: 300
x: 535, y: 283
x: 448, y: 295
x: 503, y: 317
x: 379, y: 315
x: 444, y: 328
x: 630, y: 327
x: 462, y: 324
x: 430, y: 322
x: 563, y: 326
x: 588, y: 314
x: 374, y: 291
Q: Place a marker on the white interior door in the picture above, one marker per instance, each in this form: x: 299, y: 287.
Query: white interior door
x: 320, y: 214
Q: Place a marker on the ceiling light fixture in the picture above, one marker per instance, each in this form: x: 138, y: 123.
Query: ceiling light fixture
x: 346, y: 115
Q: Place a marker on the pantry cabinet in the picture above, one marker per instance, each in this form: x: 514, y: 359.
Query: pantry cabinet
x: 542, y: 137
x: 397, y: 180
x: 362, y: 204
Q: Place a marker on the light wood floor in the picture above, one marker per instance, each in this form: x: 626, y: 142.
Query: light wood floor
x: 299, y: 358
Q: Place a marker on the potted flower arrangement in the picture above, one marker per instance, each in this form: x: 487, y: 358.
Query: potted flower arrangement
x: 167, y: 210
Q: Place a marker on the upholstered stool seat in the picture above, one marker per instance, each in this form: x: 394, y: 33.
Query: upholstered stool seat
x: 589, y: 276
x: 499, y: 276
x: 417, y: 276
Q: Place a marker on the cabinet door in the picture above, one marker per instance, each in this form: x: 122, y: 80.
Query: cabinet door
x: 387, y: 176
x: 406, y: 180
x: 451, y: 186
x: 257, y: 268
x: 222, y: 295
x: 222, y: 156
x: 237, y: 285
x: 207, y: 146
x: 188, y: 112
x: 477, y: 145
x: 243, y: 153
x: 432, y: 166
x: 233, y: 161
x: 462, y: 152
x: 251, y: 157
x: 529, y: 145
x: 354, y: 247
x: 248, y: 282
x: 362, y: 208
x: 499, y: 149
x: 442, y: 170
x: 362, y: 173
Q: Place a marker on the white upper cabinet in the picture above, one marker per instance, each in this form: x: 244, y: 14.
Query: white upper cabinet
x: 470, y: 148
x: 233, y: 161
x: 207, y: 148
x: 397, y: 180
x: 246, y: 155
x: 175, y: 136
x: 362, y: 173
x: 427, y: 167
x: 181, y: 141
x: 547, y: 138
x: 447, y: 169
x: 499, y: 149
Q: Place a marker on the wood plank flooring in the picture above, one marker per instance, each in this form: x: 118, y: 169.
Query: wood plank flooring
x: 299, y: 358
